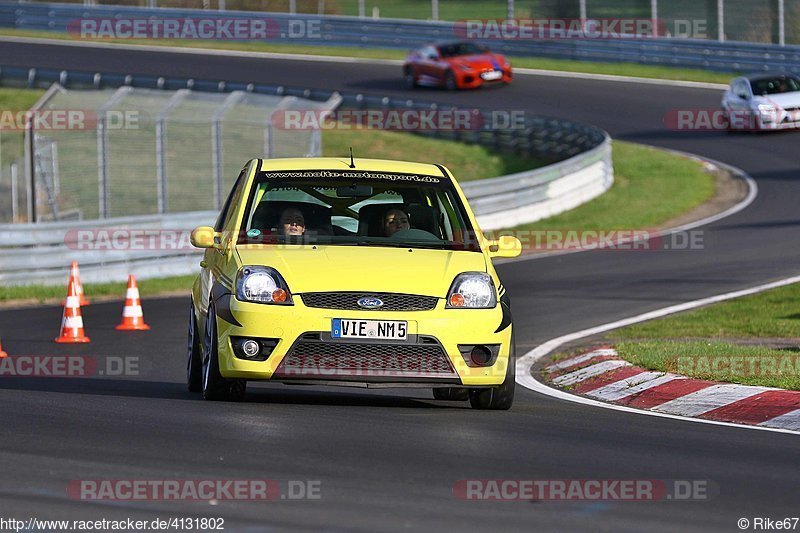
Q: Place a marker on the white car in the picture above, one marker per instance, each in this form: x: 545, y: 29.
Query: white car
x: 763, y: 102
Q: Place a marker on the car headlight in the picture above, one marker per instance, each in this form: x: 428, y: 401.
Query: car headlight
x: 263, y: 285
x: 767, y: 109
x: 472, y: 290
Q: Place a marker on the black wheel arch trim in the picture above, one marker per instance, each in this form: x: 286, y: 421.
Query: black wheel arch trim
x: 222, y: 297
x: 505, y: 305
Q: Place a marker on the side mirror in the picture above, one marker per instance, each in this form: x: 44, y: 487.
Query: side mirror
x: 506, y: 246
x: 204, y: 237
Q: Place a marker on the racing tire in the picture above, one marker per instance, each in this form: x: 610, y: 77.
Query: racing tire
x: 450, y: 81
x: 194, y: 359
x: 453, y: 394
x: 409, y: 79
x: 499, y: 398
x: 215, y: 387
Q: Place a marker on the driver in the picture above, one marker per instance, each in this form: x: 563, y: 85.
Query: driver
x: 292, y: 222
x: 393, y: 221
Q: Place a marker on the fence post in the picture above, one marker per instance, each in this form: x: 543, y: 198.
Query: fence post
x: 161, y: 148
x: 30, y: 178
x: 14, y: 193
x: 216, y: 143
x: 292, y: 7
x: 781, y: 23
x: 102, y: 165
x: 102, y: 149
x: 510, y: 10
x: 435, y: 9
x: 654, y: 16
x: 362, y: 10
x: 720, y: 20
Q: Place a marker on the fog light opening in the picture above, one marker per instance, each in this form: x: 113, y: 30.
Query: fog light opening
x: 250, y: 348
x: 480, y: 355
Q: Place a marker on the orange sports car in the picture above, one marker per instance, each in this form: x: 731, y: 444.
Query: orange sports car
x: 455, y: 65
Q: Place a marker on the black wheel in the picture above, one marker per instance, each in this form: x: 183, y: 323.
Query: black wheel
x: 450, y: 81
x: 409, y: 79
x: 215, y: 387
x: 498, y: 398
x: 456, y: 394
x: 194, y: 359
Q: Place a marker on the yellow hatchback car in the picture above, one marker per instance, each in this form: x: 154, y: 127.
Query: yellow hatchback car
x: 364, y: 273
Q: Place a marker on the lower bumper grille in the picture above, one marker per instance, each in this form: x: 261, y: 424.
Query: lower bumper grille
x: 369, y: 361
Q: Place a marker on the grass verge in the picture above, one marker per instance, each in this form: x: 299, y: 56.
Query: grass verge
x: 650, y: 188
x: 55, y: 293
x: 565, y: 65
x: 466, y: 161
x: 754, y: 340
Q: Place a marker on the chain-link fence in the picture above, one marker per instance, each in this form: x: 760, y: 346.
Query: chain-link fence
x: 762, y: 21
x: 128, y: 151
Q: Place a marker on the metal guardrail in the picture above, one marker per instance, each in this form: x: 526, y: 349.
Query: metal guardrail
x: 726, y: 56
x: 582, y: 170
x: 526, y: 197
x: 108, y: 250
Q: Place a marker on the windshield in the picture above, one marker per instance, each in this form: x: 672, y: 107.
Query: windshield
x: 462, y: 49
x: 776, y: 85
x: 356, y: 208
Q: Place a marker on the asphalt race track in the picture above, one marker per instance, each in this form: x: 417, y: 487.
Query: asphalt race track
x: 390, y: 459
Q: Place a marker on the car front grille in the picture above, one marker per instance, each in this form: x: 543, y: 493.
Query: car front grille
x: 318, y: 359
x: 349, y: 301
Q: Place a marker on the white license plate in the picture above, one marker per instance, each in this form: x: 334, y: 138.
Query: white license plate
x: 493, y: 75
x: 346, y: 328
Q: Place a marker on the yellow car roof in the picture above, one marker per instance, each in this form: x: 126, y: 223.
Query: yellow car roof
x: 343, y: 163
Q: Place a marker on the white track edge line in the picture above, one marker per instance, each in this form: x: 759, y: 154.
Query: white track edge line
x: 199, y: 50
x: 347, y: 59
x: 526, y: 362
x: 752, y: 193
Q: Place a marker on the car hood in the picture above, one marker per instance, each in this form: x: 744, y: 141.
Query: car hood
x: 364, y: 268
x: 480, y: 61
x: 783, y: 100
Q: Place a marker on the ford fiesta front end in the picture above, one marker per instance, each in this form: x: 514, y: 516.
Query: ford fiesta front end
x: 374, y: 276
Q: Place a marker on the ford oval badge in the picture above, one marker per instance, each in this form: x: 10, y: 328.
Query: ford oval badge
x: 370, y: 303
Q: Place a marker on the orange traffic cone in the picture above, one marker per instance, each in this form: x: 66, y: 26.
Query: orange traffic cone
x: 72, y: 323
x: 2, y: 353
x: 76, y: 275
x: 132, y: 316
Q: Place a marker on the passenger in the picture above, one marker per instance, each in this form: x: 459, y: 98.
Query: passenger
x: 292, y: 222
x: 394, y: 220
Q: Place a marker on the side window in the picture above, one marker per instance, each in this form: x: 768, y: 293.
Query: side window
x: 740, y: 89
x: 230, y: 203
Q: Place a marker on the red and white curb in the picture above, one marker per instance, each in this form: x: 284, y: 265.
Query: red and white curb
x: 602, y: 375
